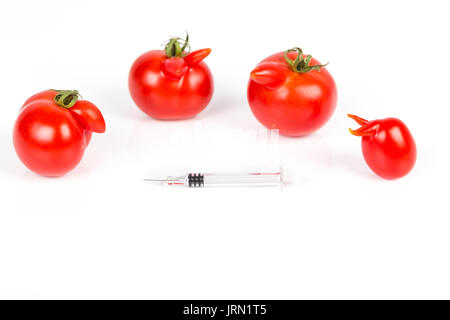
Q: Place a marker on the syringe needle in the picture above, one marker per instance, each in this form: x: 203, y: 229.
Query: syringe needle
x: 199, y: 180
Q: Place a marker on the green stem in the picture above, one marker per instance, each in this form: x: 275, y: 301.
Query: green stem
x: 177, y: 47
x: 301, y: 63
x: 66, y: 98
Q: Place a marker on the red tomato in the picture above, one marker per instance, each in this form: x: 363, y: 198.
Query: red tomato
x: 53, y: 129
x: 292, y: 92
x: 171, y: 84
x: 80, y: 105
x: 387, y: 145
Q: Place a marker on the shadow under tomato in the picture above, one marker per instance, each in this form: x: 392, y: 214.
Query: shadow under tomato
x: 354, y: 164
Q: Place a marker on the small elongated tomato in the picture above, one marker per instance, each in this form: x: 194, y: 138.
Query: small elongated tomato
x: 53, y: 129
x: 292, y: 92
x: 387, y: 145
x: 171, y: 84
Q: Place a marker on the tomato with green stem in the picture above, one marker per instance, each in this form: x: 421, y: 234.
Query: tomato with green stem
x: 53, y: 129
x: 387, y: 145
x: 173, y: 83
x: 292, y: 92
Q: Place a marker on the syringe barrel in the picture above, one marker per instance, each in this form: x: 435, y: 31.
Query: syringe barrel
x: 234, y: 180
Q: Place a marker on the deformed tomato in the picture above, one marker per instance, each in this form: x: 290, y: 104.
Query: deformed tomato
x: 292, y: 92
x: 387, y: 145
x: 173, y: 83
x: 53, y: 129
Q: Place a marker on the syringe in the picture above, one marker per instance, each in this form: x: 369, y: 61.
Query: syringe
x: 200, y: 180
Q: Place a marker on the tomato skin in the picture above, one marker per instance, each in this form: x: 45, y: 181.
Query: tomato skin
x: 47, y: 138
x: 43, y: 95
x: 295, y: 103
x: 89, y: 117
x: 168, y: 94
x: 388, y: 147
x: 87, y: 136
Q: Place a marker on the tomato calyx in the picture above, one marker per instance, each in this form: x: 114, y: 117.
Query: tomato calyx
x: 368, y: 128
x: 180, y: 58
x: 301, y: 62
x: 66, y: 98
x: 177, y: 47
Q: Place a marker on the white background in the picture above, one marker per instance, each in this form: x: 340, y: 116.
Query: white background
x: 335, y: 231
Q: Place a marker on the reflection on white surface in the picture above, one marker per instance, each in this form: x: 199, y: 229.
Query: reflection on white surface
x: 196, y: 146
